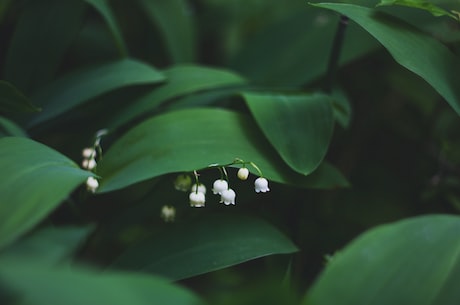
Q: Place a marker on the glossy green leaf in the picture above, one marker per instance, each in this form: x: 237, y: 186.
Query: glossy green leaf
x: 10, y: 129
x: 49, y: 245
x: 106, y: 12
x: 192, y: 139
x: 12, y: 100
x: 414, y: 50
x: 79, y: 87
x: 182, y: 80
x: 298, y: 126
x: 218, y: 242
x: 35, y: 179
x: 43, y: 33
x: 421, y: 4
x: 413, y: 261
x: 174, y: 20
x: 36, y: 284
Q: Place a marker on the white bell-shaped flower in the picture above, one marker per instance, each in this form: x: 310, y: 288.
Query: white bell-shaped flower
x: 92, y: 184
x: 219, y: 186
x: 168, y: 213
x: 243, y: 173
x: 88, y: 152
x: 197, y: 200
x: 228, y: 197
x: 89, y: 164
x: 261, y: 185
x: 200, y: 188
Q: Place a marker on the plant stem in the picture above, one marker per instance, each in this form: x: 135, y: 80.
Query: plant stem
x: 335, y: 53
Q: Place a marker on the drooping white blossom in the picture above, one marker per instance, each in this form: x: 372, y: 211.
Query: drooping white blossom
x: 219, y: 186
x: 243, y: 173
x: 197, y: 199
x: 228, y: 197
x: 261, y: 185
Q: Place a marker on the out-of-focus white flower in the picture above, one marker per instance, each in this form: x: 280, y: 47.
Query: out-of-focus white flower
x: 200, y: 188
x: 88, y: 153
x: 92, y: 184
x: 261, y: 185
x: 243, y: 173
x: 88, y: 164
x: 168, y: 213
x: 182, y: 183
x: 228, y: 197
x: 197, y: 200
x: 219, y: 186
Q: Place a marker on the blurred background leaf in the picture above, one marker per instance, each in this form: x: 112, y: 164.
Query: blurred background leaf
x: 35, y: 180
x: 413, y: 261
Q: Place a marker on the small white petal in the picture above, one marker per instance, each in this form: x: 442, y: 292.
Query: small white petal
x: 88, y: 152
x: 228, y: 197
x: 168, y: 213
x: 89, y: 164
x: 243, y: 173
x: 197, y: 200
x: 92, y: 184
x: 200, y: 188
x: 261, y: 185
x: 219, y: 186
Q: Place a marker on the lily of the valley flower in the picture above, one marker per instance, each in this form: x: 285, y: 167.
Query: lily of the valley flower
x: 88, y: 153
x: 168, y: 213
x: 219, y: 186
x: 200, y: 188
x: 182, y: 183
x: 228, y: 197
x: 92, y: 184
x: 197, y: 199
x: 243, y: 173
x: 261, y: 185
x: 89, y: 164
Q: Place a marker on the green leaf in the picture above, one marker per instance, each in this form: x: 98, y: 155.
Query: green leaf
x: 49, y: 245
x: 43, y: 33
x: 36, y: 284
x: 413, y: 261
x: 421, y: 4
x: 9, y: 128
x: 35, y: 179
x: 182, y: 80
x: 298, y: 126
x: 218, y: 242
x: 12, y: 100
x: 174, y: 20
x: 106, y: 12
x: 412, y: 49
x: 79, y: 87
x: 192, y: 139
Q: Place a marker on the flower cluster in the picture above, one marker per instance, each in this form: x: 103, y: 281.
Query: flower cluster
x: 197, y: 196
x: 89, y: 160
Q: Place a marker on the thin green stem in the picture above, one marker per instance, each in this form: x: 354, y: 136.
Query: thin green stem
x: 335, y: 54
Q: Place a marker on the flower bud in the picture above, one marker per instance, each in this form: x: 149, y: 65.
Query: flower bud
x: 243, y: 173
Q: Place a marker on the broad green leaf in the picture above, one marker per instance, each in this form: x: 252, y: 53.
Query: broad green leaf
x: 298, y: 126
x: 421, y: 4
x: 35, y: 179
x: 218, y: 242
x: 12, y: 100
x: 10, y: 129
x: 298, y: 56
x: 413, y: 261
x: 192, y: 139
x: 43, y: 33
x: 174, y: 20
x: 33, y: 283
x: 414, y: 50
x: 49, y: 245
x: 106, y: 12
x: 341, y: 107
x: 79, y: 87
x: 182, y: 80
